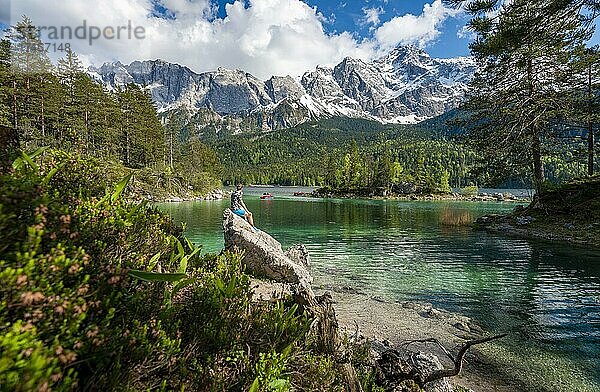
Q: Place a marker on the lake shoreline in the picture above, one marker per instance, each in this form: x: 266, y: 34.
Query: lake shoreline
x: 393, y: 324
x: 415, y: 248
x: 562, y: 231
x: 568, y: 213
x: 215, y: 194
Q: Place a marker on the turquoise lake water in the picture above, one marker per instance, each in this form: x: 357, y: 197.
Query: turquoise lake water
x: 547, y: 296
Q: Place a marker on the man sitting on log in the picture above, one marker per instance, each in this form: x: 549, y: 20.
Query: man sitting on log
x: 239, y: 207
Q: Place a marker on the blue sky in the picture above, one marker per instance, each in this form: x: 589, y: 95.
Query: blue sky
x: 349, y: 15
x: 263, y: 37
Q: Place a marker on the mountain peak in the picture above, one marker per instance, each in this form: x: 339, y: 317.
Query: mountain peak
x: 406, y: 85
x: 405, y: 55
x: 351, y: 61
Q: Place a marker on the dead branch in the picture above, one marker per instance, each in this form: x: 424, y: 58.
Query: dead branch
x: 458, y: 361
x: 356, y: 332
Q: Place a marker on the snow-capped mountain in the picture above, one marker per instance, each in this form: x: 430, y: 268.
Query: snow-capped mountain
x: 405, y: 86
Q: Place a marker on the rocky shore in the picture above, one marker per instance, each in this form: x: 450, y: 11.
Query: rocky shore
x: 388, y: 327
x: 217, y: 194
x: 553, y: 229
x: 396, y: 324
x: 570, y: 213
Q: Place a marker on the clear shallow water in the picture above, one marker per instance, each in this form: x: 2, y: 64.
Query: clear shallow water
x: 546, y: 295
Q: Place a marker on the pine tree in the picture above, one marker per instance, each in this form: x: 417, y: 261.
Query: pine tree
x: 524, y: 53
x: 141, y: 132
x: 593, y: 102
x: 102, y: 117
x: 28, y: 54
x: 9, y: 139
x: 77, y: 104
x: 69, y: 68
x: 584, y: 109
x: 332, y: 173
x: 396, y: 174
x: 34, y: 86
x: 384, y: 176
x: 355, y: 174
x: 5, y: 84
x: 174, y: 127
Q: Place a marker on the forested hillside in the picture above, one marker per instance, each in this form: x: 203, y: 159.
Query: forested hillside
x: 62, y: 108
x: 343, y: 153
x: 350, y: 153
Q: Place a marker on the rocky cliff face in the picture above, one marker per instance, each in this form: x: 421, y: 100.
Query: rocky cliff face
x: 405, y: 86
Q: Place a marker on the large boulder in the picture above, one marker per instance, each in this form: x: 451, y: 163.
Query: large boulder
x: 263, y: 255
x: 299, y: 254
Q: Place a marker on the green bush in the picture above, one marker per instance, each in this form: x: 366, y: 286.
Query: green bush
x: 66, y: 253
x: 469, y: 191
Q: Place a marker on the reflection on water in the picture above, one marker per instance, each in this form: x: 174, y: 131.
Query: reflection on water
x: 455, y: 217
x: 547, y: 296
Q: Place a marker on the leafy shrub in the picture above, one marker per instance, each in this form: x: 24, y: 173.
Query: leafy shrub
x: 100, y: 293
x: 469, y: 191
x: 63, y: 275
x: 269, y: 372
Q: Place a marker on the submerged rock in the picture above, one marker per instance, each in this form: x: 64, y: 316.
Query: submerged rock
x: 398, y: 372
x: 488, y: 219
x: 524, y: 220
x: 263, y: 255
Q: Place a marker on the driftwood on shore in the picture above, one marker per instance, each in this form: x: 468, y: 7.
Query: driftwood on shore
x: 457, y: 360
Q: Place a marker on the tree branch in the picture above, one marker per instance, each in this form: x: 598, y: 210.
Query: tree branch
x: 458, y: 361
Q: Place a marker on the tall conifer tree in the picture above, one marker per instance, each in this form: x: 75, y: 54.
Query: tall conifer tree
x: 524, y: 51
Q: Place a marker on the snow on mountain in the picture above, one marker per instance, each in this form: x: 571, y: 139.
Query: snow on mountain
x: 404, y: 86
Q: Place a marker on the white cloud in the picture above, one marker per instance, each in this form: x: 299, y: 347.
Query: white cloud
x: 372, y: 15
x: 263, y: 37
x: 414, y: 29
x: 189, y: 8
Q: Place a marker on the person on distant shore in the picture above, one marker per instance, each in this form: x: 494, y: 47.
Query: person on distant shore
x: 239, y: 207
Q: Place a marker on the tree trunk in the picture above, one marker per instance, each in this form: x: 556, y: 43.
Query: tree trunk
x: 165, y: 146
x: 590, y: 126
x: 127, y: 149
x: 171, y: 150
x: 536, y: 143
x: 327, y: 333
x: 590, y: 148
x: 43, y: 121
x: 538, y: 167
x: 14, y: 96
